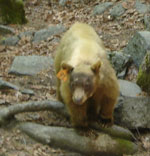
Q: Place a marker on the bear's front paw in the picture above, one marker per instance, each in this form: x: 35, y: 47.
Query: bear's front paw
x: 106, y: 122
x: 79, y: 123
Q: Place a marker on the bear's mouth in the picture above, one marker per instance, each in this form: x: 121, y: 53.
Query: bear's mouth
x: 79, y: 97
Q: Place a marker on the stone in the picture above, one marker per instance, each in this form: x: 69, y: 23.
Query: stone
x: 133, y: 112
x: 2, y: 48
x: 12, y: 11
x: 6, y: 30
x: 10, y: 41
x: 30, y: 65
x: 62, y: 2
x: 99, y: 9
x: 142, y: 8
x: 129, y: 89
x: 46, y: 33
x: 27, y: 91
x: 138, y: 46
x: 67, y: 2
x: 143, y: 78
x: 147, y: 22
x: 120, y: 62
x: 117, y: 10
x: 2, y: 102
x: 26, y: 34
x: 8, y: 85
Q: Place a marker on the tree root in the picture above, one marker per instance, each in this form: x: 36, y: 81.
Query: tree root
x: 114, y: 141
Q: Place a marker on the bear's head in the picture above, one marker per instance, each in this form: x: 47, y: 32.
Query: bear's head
x: 83, y: 80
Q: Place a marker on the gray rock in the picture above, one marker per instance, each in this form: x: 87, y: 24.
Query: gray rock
x: 138, y: 46
x: 147, y: 22
x: 8, y: 85
x: 117, y: 11
x: 10, y: 41
x: 142, y: 8
x: 120, y: 62
x: 99, y: 9
x: 27, y: 91
x: 128, y: 88
x: 6, y: 30
x: 62, y: 2
x: 3, y: 102
x: 26, y: 34
x: 133, y: 112
x: 65, y: 2
x: 30, y: 65
x: 46, y: 33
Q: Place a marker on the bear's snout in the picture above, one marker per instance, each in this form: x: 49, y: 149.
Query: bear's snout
x: 79, y: 96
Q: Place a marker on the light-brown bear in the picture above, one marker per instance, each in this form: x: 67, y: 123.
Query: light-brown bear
x: 86, y: 82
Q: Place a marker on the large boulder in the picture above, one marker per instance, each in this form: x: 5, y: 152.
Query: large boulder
x: 12, y: 11
x: 138, y: 46
x: 147, y: 22
x: 120, y: 62
x: 129, y: 89
x: 143, y: 79
x: 30, y: 65
x: 132, y: 111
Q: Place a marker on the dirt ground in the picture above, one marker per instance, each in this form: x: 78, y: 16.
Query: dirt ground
x: 41, y: 14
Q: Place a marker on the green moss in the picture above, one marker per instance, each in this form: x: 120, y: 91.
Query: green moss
x: 125, y: 146
x: 2, y: 40
x: 143, y: 80
x: 12, y: 11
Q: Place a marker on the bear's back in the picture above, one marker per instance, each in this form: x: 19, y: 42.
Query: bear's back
x: 81, y: 43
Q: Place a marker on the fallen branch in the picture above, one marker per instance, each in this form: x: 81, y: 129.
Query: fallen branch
x: 114, y: 144
x: 68, y: 138
x: 115, y: 131
x: 33, y: 106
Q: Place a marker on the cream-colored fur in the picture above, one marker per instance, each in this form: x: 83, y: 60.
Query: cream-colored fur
x: 81, y: 47
x: 75, y: 50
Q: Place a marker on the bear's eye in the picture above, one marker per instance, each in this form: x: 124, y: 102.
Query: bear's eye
x: 86, y: 86
x: 72, y: 85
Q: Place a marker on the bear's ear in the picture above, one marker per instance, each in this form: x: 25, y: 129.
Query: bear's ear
x: 95, y: 67
x: 66, y: 66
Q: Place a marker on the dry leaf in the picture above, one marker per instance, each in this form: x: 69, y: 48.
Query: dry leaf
x: 2, y: 48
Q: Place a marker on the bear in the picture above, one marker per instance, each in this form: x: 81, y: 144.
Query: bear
x: 86, y: 82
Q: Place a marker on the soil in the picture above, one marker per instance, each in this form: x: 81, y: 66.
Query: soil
x: 40, y: 14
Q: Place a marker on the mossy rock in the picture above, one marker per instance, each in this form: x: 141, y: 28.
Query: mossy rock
x: 12, y: 11
x: 143, y: 79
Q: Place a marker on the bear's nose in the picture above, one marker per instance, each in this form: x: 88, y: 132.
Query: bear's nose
x: 78, y: 101
x: 79, y: 96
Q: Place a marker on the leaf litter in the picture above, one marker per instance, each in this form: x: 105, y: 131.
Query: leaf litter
x: 41, y: 14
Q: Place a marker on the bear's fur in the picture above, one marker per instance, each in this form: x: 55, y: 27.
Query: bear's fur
x: 91, y: 87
